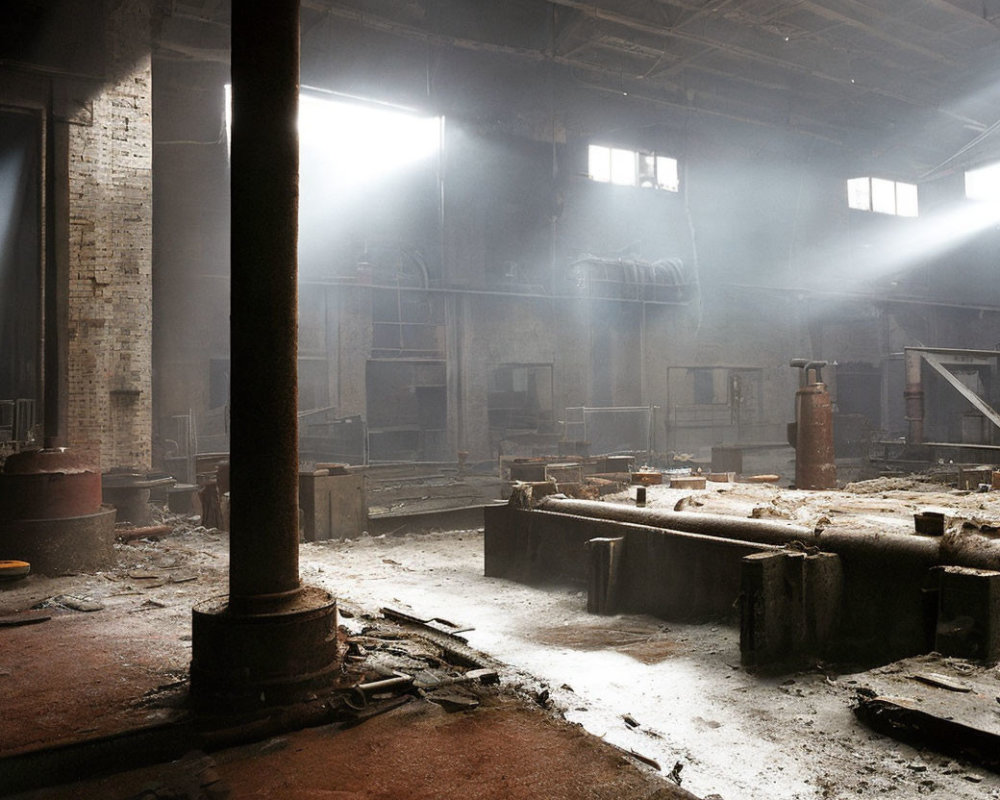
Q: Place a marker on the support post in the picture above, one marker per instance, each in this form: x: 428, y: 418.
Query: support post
x: 914, y: 395
x: 605, y: 557
x: 264, y: 548
x: 968, y: 619
x: 271, y: 641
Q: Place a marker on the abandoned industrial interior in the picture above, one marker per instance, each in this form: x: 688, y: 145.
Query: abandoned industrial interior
x: 518, y: 399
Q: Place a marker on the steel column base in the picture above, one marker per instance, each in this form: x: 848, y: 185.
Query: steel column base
x: 243, y: 661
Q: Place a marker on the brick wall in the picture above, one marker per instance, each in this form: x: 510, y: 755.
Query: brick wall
x: 110, y: 244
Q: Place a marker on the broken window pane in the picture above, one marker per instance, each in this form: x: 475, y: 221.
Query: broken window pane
x: 859, y: 194
x: 983, y: 183
x: 666, y: 174
x: 883, y: 196
x: 623, y: 167
x: 906, y: 199
x: 599, y: 163
x: 632, y: 168
x: 647, y: 170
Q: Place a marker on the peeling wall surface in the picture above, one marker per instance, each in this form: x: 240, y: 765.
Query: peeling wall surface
x: 88, y: 78
x: 110, y: 191
x: 481, y: 246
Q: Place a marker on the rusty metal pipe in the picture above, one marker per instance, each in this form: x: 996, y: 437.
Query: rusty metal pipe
x: 963, y: 550
x: 746, y: 530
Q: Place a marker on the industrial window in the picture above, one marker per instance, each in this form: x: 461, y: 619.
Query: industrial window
x: 983, y: 183
x: 632, y: 168
x: 705, y: 388
x: 519, y: 398
x: 882, y: 196
x: 355, y: 141
x: 707, y: 397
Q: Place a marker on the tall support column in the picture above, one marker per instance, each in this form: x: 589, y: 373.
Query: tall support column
x: 271, y: 641
x: 264, y: 201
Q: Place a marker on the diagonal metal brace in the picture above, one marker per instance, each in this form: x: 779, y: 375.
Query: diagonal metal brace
x: 981, y: 405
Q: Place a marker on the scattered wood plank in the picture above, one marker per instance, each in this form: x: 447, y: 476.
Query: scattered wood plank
x: 904, y: 720
x: 942, y: 681
x: 638, y: 756
x: 16, y: 622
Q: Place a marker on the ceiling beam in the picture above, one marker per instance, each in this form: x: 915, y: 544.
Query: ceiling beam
x: 696, y: 11
x: 822, y: 131
x: 744, y: 53
x: 835, y: 16
x: 403, y: 30
x: 636, y: 89
x: 662, y: 68
x: 964, y: 13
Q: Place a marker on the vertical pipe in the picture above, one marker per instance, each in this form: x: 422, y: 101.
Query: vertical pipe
x: 914, y: 395
x: 264, y: 194
x: 55, y: 281
x: 50, y: 335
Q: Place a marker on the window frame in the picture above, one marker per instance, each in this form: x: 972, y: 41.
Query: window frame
x: 648, y: 169
x: 883, y: 196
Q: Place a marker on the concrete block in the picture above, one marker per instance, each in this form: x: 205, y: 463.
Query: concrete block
x: 727, y: 459
x: 968, y: 619
x: 333, y: 506
x: 767, y: 605
x: 824, y: 598
x: 564, y: 473
x: 790, y: 608
x: 605, y: 558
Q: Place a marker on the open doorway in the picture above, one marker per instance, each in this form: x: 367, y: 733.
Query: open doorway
x: 20, y: 275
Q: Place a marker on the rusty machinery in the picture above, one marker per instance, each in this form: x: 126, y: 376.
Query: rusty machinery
x: 813, y: 429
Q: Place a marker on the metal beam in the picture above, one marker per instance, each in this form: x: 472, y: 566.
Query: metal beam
x: 852, y: 22
x: 637, y: 90
x: 965, y: 14
x: 981, y: 405
x: 745, y: 53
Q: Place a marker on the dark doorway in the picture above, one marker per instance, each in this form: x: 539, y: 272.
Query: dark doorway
x: 20, y: 273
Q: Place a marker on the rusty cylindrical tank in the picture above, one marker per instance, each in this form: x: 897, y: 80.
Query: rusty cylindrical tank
x: 48, y: 484
x: 814, y: 458
x: 51, y: 514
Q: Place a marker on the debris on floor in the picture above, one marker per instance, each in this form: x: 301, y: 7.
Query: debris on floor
x: 951, y: 706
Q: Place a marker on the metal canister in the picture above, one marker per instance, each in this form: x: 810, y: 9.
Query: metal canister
x: 815, y: 467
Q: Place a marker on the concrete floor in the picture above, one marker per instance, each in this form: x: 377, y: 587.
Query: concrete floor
x: 674, y: 694
x: 733, y: 733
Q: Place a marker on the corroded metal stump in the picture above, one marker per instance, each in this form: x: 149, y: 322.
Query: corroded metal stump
x: 51, y: 514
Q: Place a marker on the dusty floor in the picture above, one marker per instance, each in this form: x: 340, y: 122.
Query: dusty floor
x: 419, y: 751
x: 672, y: 693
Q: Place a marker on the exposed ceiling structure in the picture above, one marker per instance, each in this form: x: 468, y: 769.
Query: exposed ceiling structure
x: 882, y: 75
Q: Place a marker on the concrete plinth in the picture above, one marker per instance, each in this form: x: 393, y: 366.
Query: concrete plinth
x: 968, y: 617
x: 790, y: 605
x: 245, y: 661
x: 67, y: 544
x: 605, y: 565
x: 333, y: 506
